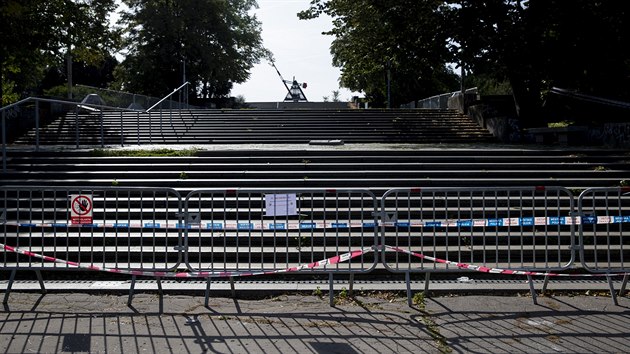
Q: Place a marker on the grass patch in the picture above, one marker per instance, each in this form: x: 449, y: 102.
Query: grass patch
x: 145, y: 153
x: 562, y: 124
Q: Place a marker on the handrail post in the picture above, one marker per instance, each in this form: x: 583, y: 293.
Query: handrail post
x: 122, y: 135
x: 37, y: 125
x: 76, y: 123
x: 4, y: 144
x: 100, y: 117
x: 138, y: 125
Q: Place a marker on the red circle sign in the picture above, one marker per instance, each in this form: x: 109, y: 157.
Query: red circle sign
x: 82, y: 205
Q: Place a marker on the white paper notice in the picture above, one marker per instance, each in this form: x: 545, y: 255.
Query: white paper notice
x: 280, y: 204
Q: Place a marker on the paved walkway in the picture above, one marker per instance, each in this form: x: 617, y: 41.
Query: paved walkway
x: 374, y: 323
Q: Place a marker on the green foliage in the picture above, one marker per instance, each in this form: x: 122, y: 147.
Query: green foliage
x: 372, y: 38
x: 145, y: 153
x: 562, y: 124
x: 219, y: 42
x: 418, y: 300
x: 38, y: 34
x: 517, y: 47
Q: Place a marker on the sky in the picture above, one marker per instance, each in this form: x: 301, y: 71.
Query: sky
x: 299, y: 50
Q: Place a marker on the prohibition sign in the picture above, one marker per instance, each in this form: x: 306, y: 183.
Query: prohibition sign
x: 81, y: 207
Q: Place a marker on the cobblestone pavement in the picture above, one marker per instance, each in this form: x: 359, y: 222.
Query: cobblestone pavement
x: 378, y: 322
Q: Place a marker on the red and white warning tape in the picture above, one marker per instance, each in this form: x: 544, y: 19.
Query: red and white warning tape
x: 483, y: 269
x: 161, y: 274
x: 329, y: 261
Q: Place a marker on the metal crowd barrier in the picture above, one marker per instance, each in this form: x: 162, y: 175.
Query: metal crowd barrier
x: 265, y: 231
x: 229, y: 233
x: 506, y: 228
x: 604, y: 232
x: 98, y: 227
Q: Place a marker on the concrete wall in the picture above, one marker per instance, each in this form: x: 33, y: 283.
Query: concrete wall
x: 299, y: 105
x: 498, y: 115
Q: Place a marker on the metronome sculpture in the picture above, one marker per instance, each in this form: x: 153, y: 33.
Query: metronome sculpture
x: 295, y: 93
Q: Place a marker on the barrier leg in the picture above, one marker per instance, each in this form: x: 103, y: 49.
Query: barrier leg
x: 530, y: 280
x: 159, y: 285
x: 131, y: 288
x: 41, y: 281
x: 206, y: 301
x: 622, y: 291
x: 160, y: 295
x: 9, y: 286
x: 545, y: 283
x: 427, y: 281
x: 613, y: 294
x: 408, y: 285
x: 331, y: 291
x: 351, y: 285
x: 232, y: 288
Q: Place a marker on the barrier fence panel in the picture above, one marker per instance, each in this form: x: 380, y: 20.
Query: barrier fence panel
x: 251, y: 230
x: 515, y: 228
x: 604, y: 229
x: 105, y: 228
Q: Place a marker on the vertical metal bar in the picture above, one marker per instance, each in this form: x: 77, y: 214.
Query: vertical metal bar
x: 427, y: 282
x: 331, y: 290
x: 620, y: 213
x: 408, y: 286
x: 138, y: 125
x: 351, y: 284
x: 4, y: 143
x: 150, y: 130
x: 613, y: 294
x: 131, y: 289
x: 608, y: 226
x: 100, y: 120
x: 206, y: 301
x: 36, y: 125
x: 122, y: 130
x: 153, y: 231
x: 76, y: 125
x: 7, y: 291
x: 545, y: 283
x: 532, y: 290
x: 40, y: 279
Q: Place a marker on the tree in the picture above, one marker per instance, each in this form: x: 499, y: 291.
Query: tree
x: 532, y: 45
x: 536, y: 45
x: 37, y: 34
x: 405, y: 37
x: 215, y: 42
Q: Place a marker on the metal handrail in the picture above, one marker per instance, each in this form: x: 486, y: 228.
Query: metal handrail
x: 588, y: 98
x: 71, y: 103
x: 167, y: 96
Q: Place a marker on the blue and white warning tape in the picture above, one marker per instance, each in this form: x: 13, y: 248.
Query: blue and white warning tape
x: 325, y: 224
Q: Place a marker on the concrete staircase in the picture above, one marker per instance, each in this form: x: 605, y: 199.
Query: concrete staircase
x: 260, y: 126
x: 377, y: 170
x: 356, y: 165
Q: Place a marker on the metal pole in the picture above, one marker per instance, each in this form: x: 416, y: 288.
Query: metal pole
x: 122, y: 135
x: 389, y: 86
x: 100, y: 117
x: 4, y: 144
x: 36, y: 125
x: 76, y: 123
